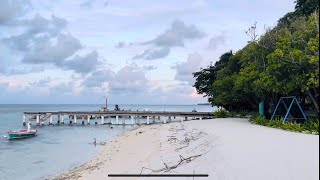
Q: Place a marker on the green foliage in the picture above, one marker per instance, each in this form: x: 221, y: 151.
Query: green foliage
x: 277, y: 123
x: 259, y: 120
x: 232, y: 114
x: 306, y: 7
x: 310, y: 126
x: 243, y: 114
x: 221, y: 113
x: 282, y: 62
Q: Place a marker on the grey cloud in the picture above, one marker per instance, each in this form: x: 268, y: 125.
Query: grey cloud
x: 25, y: 70
x: 41, y: 82
x: 176, y: 35
x: 39, y: 24
x: 149, y: 68
x: 106, y: 3
x: 97, y: 78
x: 38, y: 29
x: 129, y: 79
x: 10, y: 9
x: 44, y: 42
x: 185, y: 69
x: 214, y: 42
x: 44, y: 52
x: 151, y: 54
x: 120, y: 45
x: 87, y: 4
x: 83, y: 64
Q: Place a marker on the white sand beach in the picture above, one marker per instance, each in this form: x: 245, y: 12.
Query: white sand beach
x: 229, y: 148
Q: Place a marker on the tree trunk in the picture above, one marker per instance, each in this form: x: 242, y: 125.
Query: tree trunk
x: 314, y: 100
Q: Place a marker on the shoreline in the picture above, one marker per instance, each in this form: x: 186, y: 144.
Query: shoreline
x: 229, y: 148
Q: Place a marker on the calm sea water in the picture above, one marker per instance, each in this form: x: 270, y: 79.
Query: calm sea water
x: 56, y: 149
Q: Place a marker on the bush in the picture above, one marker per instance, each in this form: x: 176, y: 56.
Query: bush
x: 232, y: 114
x: 243, y: 114
x: 259, y: 120
x: 221, y: 113
x: 277, y: 123
x: 310, y: 126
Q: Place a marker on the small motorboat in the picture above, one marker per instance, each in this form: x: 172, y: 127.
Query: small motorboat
x: 25, y: 133
x: 22, y: 134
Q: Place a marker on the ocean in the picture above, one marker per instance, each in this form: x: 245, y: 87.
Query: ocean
x: 58, y: 148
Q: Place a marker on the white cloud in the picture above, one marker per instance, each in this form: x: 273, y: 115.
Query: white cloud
x: 185, y: 69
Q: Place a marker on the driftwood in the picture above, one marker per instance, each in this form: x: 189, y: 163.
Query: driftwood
x: 168, y: 168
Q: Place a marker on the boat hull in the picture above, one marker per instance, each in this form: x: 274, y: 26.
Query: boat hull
x: 21, y: 134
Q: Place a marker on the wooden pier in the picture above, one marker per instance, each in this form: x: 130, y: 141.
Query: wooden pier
x: 85, y: 117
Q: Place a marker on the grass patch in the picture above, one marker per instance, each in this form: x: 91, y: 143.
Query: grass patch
x: 221, y: 113
x: 311, y: 126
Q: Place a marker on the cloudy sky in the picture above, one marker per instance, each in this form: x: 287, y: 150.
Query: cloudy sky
x: 131, y: 51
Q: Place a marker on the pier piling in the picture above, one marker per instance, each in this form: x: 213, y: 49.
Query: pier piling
x: 38, y: 120
x: 88, y: 119
x: 75, y: 119
x: 117, y: 120
x: 50, y: 120
x: 62, y: 119
x: 148, y: 120
x: 24, y: 120
x: 102, y: 119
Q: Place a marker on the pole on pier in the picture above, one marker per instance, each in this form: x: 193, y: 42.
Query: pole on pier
x: 117, y: 120
x: 38, y: 120
x: 70, y: 119
x: 62, y: 118
x: 88, y: 119
x: 164, y: 120
x: 200, y: 118
x: 123, y: 120
x: 75, y: 119
x: 102, y: 119
x: 148, y: 120
x: 132, y: 120
x: 24, y: 120
x: 82, y: 117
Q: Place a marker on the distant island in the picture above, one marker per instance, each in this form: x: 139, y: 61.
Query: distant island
x: 203, y: 104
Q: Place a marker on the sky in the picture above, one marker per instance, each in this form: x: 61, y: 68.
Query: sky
x: 129, y: 51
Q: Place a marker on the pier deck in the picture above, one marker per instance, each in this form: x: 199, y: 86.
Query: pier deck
x: 134, y: 115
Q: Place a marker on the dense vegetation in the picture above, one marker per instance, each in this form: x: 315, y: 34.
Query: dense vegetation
x: 284, y: 61
x: 311, y: 126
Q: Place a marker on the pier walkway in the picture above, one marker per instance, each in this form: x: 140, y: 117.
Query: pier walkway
x: 135, y: 116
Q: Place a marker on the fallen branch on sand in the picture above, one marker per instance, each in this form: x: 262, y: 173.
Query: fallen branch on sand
x: 168, y: 168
